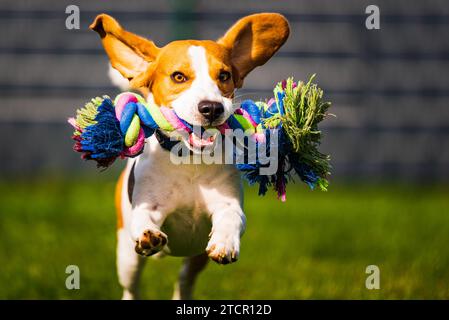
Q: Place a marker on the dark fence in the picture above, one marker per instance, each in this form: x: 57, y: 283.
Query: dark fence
x: 389, y: 87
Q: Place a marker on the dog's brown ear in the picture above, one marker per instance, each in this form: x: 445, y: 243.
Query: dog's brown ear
x: 253, y: 40
x: 129, y: 53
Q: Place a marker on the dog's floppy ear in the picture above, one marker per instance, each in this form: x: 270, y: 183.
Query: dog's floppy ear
x: 253, y: 40
x: 129, y: 53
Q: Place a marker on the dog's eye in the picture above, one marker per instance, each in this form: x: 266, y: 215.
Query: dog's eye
x: 178, y: 77
x: 224, y: 76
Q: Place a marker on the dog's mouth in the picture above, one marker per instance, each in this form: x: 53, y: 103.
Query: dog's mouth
x: 201, y: 142
x: 201, y: 136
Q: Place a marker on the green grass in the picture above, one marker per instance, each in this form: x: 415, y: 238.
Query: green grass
x: 315, y: 246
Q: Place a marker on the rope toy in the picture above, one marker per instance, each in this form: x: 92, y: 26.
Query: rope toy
x: 107, y: 130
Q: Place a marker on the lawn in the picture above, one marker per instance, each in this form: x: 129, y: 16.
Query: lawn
x: 315, y: 246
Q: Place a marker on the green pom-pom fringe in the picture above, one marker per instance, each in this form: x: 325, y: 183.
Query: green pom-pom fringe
x: 85, y: 116
x: 304, y: 109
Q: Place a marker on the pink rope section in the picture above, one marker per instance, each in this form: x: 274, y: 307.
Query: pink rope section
x: 259, y: 137
x: 120, y: 106
x: 248, y: 117
x: 122, y: 102
x: 271, y: 101
x: 137, y: 147
x: 173, y: 119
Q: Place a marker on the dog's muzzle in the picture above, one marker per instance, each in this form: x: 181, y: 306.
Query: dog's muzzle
x: 211, y: 110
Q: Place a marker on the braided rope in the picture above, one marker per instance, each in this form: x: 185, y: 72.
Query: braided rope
x: 134, y: 114
x: 106, y: 130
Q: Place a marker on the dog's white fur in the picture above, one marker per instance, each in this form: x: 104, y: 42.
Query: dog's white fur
x: 197, y: 207
x: 117, y: 79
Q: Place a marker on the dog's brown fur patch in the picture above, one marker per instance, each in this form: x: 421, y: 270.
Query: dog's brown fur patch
x: 118, y: 194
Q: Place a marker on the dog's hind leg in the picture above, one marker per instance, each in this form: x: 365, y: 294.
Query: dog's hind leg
x: 190, y: 269
x: 129, y: 266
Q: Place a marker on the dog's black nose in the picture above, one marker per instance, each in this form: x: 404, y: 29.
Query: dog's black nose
x: 210, y: 110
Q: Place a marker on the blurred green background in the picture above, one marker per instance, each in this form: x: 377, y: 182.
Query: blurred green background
x: 315, y: 246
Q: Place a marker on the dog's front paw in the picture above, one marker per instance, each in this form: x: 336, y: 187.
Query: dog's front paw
x: 223, y: 250
x: 150, y: 242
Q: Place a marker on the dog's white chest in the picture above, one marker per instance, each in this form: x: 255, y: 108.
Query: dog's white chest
x: 188, y: 231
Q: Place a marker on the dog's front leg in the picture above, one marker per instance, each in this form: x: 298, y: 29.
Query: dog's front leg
x: 149, y: 210
x: 228, y: 225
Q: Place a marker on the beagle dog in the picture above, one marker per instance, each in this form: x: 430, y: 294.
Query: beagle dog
x: 193, y: 211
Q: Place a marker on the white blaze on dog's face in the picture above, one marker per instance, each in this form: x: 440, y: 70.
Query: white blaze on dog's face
x: 195, y: 78
x: 204, y: 103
